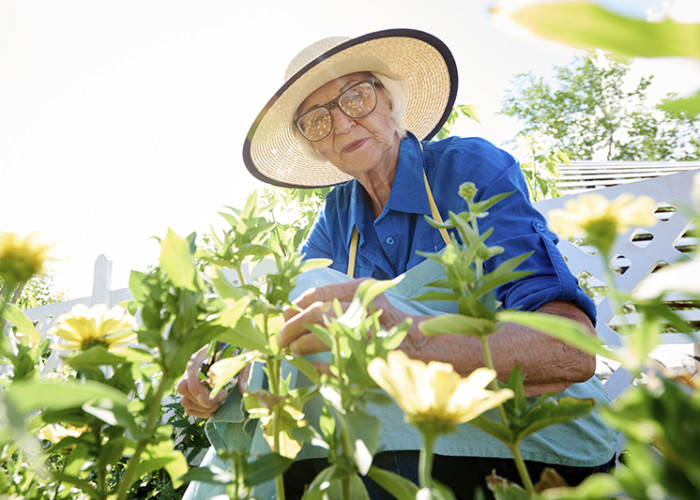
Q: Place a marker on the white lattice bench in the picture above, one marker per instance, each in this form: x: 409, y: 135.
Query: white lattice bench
x: 638, y: 254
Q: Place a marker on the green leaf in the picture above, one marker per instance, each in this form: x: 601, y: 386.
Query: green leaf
x: 138, y: 287
x: 595, y: 487
x: 458, y: 325
x: 245, y: 335
x: 493, y: 428
x: 322, y: 483
x: 690, y: 104
x: 224, y: 287
x: 311, y: 264
x: 230, y: 316
x: 112, y: 451
x: 561, y: 328
x: 112, y: 414
x: 484, y: 205
x: 595, y: 26
x: 305, y: 367
x: 266, y: 467
x: 368, y: 290
x: 206, y: 475
x: 503, y: 273
x: 75, y: 461
x: 562, y: 157
x: 59, y: 395
x: 93, y: 357
x: 553, y: 412
x: 470, y: 111
x: 177, y: 261
x: 444, y: 296
x: 361, y: 433
x: 230, y: 367
x: 494, y: 280
x: 516, y: 383
x: 15, y: 316
x: 328, y: 484
x: 400, y: 487
x: 162, y: 455
x: 503, y: 492
x: 84, y: 485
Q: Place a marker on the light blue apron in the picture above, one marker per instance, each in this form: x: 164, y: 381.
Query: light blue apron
x: 582, y: 443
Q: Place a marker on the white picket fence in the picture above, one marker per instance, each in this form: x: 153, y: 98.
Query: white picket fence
x: 102, y: 293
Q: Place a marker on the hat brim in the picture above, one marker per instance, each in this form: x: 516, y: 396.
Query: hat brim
x: 423, y: 62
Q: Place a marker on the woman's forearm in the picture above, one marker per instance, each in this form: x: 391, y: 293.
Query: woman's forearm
x: 548, y: 364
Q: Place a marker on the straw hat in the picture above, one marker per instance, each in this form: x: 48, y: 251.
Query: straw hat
x: 424, y: 63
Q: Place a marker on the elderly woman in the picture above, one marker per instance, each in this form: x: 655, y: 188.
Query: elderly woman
x: 356, y: 113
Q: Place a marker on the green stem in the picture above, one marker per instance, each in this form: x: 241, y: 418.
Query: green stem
x: 274, y: 367
x: 8, y: 297
x: 345, y: 489
x: 494, y: 384
x: 425, y: 461
x: 239, y: 272
x: 338, y: 358
x: 522, y: 470
x: 279, y: 485
x: 101, y: 473
x: 514, y: 447
x: 152, y: 420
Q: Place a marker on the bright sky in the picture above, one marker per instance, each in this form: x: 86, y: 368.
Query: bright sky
x: 121, y: 118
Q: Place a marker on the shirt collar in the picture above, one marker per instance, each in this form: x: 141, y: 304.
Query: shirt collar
x: 407, y: 192
x: 356, y: 210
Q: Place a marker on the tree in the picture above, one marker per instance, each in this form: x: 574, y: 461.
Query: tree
x: 594, y: 110
x: 40, y: 291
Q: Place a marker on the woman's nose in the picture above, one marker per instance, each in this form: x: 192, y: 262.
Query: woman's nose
x: 342, y: 123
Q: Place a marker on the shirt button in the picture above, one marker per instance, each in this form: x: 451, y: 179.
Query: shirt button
x: 389, y: 240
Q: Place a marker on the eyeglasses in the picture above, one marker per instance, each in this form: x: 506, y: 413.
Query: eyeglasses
x: 356, y: 102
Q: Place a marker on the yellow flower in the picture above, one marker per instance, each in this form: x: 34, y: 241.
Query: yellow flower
x: 434, y: 394
x: 599, y: 219
x: 83, y: 328
x: 20, y: 258
x: 55, y: 432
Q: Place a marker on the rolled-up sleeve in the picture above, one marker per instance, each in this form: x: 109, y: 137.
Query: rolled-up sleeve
x: 519, y: 228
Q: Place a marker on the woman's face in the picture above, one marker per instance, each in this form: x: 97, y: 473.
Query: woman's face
x: 356, y: 146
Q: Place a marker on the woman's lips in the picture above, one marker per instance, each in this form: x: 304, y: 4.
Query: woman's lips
x: 354, y: 145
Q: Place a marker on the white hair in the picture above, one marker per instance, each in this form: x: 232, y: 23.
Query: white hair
x: 395, y: 92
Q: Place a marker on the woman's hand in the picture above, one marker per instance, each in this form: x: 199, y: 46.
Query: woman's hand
x: 315, y: 307
x: 195, y: 393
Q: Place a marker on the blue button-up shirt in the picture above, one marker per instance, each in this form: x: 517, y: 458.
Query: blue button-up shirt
x: 388, y: 244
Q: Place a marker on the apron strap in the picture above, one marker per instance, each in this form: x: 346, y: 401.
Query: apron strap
x: 353, y: 252
x: 433, y: 212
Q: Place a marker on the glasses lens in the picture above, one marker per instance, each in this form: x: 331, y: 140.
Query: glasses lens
x: 358, y: 101
x: 316, y: 124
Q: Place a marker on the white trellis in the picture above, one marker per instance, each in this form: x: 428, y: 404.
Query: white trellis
x: 582, y: 175
x: 636, y: 255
